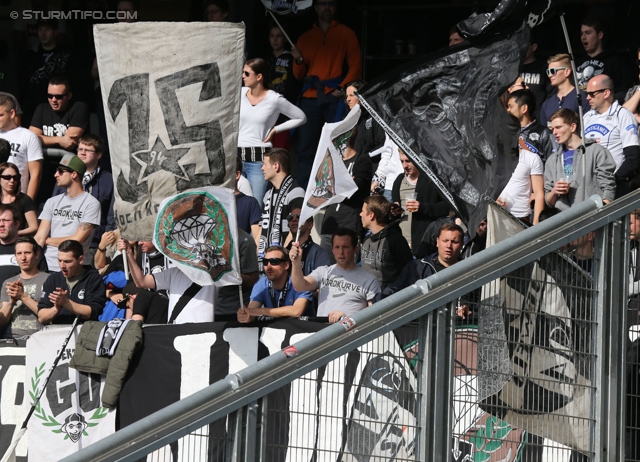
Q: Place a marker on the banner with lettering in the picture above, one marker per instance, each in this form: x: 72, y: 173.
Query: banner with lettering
x: 171, y: 95
x: 69, y: 416
x: 14, y: 405
x: 361, y: 403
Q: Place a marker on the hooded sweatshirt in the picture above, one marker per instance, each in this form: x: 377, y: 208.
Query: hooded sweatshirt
x: 386, y: 253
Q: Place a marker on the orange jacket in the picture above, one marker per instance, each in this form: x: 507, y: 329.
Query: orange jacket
x: 325, y: 54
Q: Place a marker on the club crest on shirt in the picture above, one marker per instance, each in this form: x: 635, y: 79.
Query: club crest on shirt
x: 597, y: 128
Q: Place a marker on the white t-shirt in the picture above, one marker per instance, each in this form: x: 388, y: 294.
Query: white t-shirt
x: 25, y: 148
x: 348, y: 291
x: 199, y: 309
x: 65, y: 215
x: 244, y: 186
x: 615, y: 129
x: 257, y: 121
x: 519, y: 187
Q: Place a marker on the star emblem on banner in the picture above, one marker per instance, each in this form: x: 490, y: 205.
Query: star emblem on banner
x: 159, y: 159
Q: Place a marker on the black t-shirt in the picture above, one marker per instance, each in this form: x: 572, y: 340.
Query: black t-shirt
x: 54, y: 123
x: 24, y: 204
x: 535, y: 76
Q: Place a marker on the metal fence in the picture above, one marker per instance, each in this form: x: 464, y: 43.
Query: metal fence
x: 544, y: 369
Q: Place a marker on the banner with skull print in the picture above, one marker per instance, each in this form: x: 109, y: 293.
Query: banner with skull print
x: 171, y: 96
x: 198, y: 231
x: 69, y: 416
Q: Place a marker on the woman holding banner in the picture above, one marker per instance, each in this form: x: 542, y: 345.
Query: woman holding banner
x: 260, y: 108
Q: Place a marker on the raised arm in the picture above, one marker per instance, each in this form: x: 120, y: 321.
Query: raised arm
x: 300, y: 282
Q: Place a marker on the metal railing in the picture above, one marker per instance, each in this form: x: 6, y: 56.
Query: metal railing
x: 437, y: 365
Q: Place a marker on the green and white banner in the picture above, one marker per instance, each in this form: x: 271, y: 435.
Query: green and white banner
x: 69, y: 416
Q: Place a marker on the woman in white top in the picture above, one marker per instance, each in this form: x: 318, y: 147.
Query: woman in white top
x: 259, y: 111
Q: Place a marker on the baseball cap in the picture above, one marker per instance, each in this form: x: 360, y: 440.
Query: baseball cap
x: 73, y: 162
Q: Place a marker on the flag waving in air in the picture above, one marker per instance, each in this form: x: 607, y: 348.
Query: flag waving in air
x: 330, y: 182
x: 197, y: 230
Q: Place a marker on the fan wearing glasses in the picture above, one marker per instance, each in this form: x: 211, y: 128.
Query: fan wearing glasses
x: 274, y: 296
x: 260, y: 108
x: 565, y: 96
x: 613, y: 127
x: 72, y: 215
x: 60, y: 122
x: 10, y: 194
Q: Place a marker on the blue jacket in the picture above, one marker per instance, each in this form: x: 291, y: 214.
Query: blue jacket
x: 102, y: 189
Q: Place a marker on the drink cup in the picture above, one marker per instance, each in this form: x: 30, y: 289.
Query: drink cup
x: 410, y: 202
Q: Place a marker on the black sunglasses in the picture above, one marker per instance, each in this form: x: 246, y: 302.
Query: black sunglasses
x: 10, y: 177
x: 593, y: 93
x: 50, y: 96
x: 62, y: 171
x: 291, y: 216
x: 273, y: 261
x: 122, y: 303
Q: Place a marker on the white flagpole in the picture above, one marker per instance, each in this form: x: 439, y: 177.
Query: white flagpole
x: 241, y: 297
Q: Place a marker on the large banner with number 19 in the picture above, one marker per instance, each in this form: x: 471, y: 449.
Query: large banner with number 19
x: 171, y: 95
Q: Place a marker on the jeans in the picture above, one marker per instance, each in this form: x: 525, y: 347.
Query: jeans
x: 307, y: 136
x: 252, y: 171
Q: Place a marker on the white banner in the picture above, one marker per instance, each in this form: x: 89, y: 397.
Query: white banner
x: 69, y: 416
x: 171, y: 95
x: 330, y: 182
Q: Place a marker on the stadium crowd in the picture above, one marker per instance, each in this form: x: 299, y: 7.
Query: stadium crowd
x: 62, y: 256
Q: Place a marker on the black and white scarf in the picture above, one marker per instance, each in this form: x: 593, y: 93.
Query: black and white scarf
x: 273, y: 232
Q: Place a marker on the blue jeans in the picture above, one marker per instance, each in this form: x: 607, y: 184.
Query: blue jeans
x: 252, y: 171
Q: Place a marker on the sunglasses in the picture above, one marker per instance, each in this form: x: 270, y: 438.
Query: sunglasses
x: 291, y: 216
x: 10, y: 177
x: 554, y: 70
x: 122, y: 303
x: 50, y: 96
x: 593, y: 93
x: 247, y: 74
x: 62, y: 171
x: 273, y: 261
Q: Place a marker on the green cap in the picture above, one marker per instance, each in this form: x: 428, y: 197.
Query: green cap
x: 73, y: 162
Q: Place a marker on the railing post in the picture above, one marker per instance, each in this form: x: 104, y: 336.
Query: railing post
x: 234, y: 424
x: 609, y: 314
x: 251, y: 432
x: 425, y: 387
